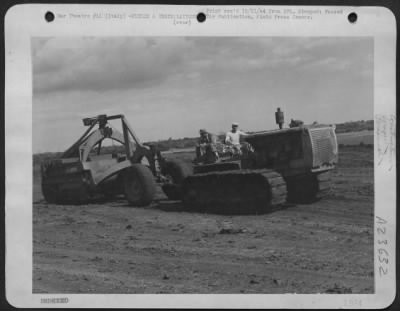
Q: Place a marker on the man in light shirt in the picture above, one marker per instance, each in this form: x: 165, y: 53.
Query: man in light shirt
x: 232, y: 138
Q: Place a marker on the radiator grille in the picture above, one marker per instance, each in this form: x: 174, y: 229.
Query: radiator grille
x: 324, y: 146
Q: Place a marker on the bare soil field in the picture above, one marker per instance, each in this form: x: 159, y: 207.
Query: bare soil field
x: 109, y: 247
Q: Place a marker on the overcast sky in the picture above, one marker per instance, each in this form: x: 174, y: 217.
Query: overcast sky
x: 172, y: 86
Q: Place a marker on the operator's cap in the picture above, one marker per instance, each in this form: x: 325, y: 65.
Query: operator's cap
x: 203, y: 131
x: 235, y: 124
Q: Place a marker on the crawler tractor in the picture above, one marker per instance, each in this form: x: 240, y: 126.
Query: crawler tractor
x: 278, y: 166
x: 88, y: 170
x: 284, y: 165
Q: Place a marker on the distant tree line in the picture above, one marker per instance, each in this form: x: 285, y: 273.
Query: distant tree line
x: 178, y: 143
x: 355, y: 126
x: 190, y: 142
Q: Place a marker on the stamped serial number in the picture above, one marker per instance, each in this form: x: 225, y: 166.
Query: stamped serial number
x: 54, y: 300
x: 383, y: 254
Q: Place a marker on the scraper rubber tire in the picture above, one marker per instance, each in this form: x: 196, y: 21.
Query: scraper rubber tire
x: 139, y: 185
x: 49, y: 194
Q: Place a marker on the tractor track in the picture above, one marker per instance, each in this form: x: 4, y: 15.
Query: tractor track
x: 235, y: 191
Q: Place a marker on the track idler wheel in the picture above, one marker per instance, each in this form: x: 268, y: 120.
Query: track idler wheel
x: 308, y: 188
x: 175, y: 172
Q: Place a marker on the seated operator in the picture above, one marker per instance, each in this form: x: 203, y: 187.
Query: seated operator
x: 232, y: 139
x: 206, y: 150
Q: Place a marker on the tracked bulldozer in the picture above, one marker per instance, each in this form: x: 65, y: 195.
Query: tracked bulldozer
x: 89, y: 171
x: 284, y: 165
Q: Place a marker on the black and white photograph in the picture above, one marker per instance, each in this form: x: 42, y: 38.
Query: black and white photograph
x: 207, y: 164
x: 203, y: 165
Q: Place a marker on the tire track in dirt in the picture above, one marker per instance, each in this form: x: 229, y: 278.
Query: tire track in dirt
x: 124, y: 268
x: 109, y: 247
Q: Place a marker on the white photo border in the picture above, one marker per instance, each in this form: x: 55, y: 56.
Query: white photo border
x: 22, y: 22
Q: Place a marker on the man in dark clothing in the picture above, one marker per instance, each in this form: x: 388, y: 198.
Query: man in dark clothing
x: 206, y: 150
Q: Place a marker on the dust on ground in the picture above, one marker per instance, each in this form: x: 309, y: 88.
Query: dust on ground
x: 324, y: 247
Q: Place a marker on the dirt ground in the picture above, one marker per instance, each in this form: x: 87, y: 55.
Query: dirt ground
x: 324, y: 247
